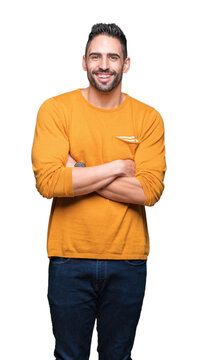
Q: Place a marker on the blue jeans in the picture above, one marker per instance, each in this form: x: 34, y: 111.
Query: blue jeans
x: 82, y: 290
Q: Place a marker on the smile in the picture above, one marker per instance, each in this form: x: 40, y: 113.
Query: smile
x: 103, y: 77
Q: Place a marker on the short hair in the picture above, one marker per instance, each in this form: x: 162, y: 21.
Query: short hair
x: 110, y: 30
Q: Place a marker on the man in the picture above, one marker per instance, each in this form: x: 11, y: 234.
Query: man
x: 99, y: 153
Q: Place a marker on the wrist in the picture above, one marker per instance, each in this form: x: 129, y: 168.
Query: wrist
x: 118, y: 167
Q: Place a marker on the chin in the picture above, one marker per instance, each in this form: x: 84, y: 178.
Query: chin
x: 104, y: 90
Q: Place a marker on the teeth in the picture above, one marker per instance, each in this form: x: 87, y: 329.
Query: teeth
x: 103, y: 76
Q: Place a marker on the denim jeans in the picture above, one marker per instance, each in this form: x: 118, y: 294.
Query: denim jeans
x: 81, y: 291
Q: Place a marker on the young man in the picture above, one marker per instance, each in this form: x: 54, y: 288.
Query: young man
x: 99, y: 153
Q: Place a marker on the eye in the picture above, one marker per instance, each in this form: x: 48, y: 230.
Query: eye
x: 94, y: 57
x: 114, y: 57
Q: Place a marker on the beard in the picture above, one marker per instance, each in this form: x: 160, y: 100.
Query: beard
x: 105, y: 87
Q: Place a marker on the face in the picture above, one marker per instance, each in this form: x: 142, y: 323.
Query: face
x: 104, y: 63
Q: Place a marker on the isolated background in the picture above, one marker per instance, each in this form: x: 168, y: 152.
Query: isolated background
x: 42, y: 44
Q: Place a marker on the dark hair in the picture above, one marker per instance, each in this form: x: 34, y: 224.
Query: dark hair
x: 109, y: 30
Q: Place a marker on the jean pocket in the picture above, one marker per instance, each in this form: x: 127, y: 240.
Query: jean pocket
x: 136, y: 262
x: 59, y: 260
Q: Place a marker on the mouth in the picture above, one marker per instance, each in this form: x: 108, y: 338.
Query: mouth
x: 103, y: 77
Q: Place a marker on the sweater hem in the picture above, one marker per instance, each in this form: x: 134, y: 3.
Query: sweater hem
x: 127, y: 256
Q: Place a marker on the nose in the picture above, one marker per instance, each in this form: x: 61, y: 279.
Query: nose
x: 104, y: 63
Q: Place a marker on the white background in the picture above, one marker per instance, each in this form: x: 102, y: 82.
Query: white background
x: 42, y: 45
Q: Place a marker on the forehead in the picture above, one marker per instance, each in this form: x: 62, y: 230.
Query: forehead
x: 105, y: 44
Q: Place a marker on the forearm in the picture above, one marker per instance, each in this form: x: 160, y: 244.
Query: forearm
x: 126, y: 189
x: 89, y: 179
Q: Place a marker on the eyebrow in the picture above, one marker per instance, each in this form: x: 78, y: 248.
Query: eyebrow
x: 109, y: 54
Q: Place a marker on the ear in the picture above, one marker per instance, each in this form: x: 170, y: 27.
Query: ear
x: 84, y: 65
x: 126, y: 66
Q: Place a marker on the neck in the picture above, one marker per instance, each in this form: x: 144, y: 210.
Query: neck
x: 105, y: 100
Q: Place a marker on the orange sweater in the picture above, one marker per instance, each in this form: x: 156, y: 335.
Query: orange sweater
x: 91, y: 226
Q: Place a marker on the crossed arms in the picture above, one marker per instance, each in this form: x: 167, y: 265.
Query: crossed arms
x: 138, y: 182
x: 114, y: 180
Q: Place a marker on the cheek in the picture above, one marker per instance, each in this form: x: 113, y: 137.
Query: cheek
x: 117, y: 68
x: 91, y: 68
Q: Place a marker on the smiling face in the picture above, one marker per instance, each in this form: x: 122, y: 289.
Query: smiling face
x: 104, y: 63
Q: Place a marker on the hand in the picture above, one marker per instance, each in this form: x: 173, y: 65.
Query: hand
x: 70, y: 161
x: 128, y: 167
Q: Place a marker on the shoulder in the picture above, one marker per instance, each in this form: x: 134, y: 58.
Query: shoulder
x: 144, y: 110
x: 60, y: 101
x: 67, y: 97
x: 139, y: 107
x: 146, y: 117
